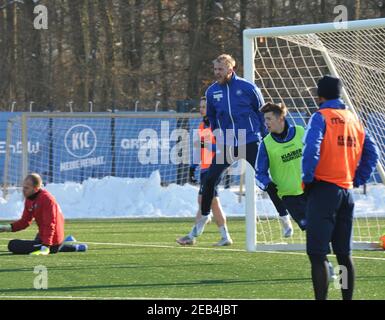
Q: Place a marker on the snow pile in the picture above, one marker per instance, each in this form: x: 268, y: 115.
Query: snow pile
x: 113, y: 197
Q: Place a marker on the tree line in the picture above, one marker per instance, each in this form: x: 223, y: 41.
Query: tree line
x: 135, y: 54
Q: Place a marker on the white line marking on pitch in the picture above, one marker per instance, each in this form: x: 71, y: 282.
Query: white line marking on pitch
x: 215, y: 249
x: 206, y: 248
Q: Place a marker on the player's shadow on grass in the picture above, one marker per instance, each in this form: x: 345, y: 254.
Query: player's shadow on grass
x: 124, y: 232
x: 154, y: 285
x: 208, y: 282
x: 5, y: 253
x: 129, y: 221
x: 108, y: 267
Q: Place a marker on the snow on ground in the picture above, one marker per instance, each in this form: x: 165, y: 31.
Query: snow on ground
x: 113, y: 197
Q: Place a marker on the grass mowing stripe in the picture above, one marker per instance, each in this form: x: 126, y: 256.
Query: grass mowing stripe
x: 204, y: 248
x: 134, y: 259
x: 216, y: 249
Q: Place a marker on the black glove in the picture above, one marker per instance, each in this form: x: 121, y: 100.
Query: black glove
x: 271, y: 188
x: 192, y: 175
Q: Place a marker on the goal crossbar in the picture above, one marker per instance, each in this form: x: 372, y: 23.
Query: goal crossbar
x: 286, y: 63
x: 314, y: 28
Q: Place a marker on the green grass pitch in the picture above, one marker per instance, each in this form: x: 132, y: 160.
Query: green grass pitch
x: 139, y: 258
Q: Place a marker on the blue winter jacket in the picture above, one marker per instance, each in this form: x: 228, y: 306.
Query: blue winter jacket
x: 262, y: 163
x: 235, y: 105
x: 314, y: 135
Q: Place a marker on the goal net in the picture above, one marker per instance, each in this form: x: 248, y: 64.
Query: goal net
x: 287, y: 62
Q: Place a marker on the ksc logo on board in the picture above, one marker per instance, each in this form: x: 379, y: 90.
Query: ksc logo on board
x: 80, y: 141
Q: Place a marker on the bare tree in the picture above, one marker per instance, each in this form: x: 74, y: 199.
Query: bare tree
x: 242, y: 19
x: 93, y: 36
x: 162, y: 56
x: 108, y: 56
x: 195, y: 35
x: 120, y: 51
x: 132, y: 44
x: 79, y: 52
x: 32, y: 68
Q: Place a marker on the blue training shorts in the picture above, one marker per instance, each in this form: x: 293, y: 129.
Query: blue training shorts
x: 329, y: 217
x: 201, y: 182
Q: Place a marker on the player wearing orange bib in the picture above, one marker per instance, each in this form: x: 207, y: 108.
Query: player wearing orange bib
x: 204, y: 144
x: 339, y: 154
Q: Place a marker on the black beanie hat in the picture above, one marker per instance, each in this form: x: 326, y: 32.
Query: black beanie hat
x: 329, y: 87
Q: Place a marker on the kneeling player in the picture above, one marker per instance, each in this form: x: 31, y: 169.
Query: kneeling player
x: 42, y: 207
x: 206, y: 148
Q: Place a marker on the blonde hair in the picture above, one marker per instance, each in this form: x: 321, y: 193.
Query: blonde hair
x: 228, y: 60
x: 278, y: 109
x: 35, y: 178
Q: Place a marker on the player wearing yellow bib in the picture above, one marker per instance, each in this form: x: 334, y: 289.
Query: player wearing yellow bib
x: 279, y: 162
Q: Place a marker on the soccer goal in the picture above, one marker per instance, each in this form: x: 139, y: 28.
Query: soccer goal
x: 286, y: 63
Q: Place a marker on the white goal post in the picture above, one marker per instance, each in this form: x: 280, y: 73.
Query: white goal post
x: 286, y: 63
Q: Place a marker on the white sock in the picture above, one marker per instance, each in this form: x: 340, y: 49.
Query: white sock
x: 224, y: 232
x: 197, y: 230
x: 193, y: 232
